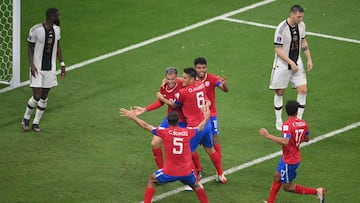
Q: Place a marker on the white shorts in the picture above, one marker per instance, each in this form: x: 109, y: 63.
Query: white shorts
x: 44, y: 79
x: 281, y: 76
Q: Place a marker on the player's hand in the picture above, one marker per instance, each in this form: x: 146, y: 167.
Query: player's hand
x: 139, y: 110
x: 206, y: 112
x: 63, y: 72
x: 33, y: 70
x: 223, y: 79
x: 263, y: 132
x: 309, y: 65
x: 163, y: 83
x: 127, y: 113
x: 294, y: 67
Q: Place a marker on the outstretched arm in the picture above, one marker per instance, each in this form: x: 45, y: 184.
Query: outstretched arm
x: 132, y: 115
x: 279, y: 140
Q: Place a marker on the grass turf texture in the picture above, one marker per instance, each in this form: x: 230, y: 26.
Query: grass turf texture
x: 87, y: 153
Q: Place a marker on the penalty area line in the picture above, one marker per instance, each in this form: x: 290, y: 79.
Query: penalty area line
x: 260, y: 160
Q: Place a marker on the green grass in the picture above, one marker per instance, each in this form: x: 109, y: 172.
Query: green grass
x: 87, y: 153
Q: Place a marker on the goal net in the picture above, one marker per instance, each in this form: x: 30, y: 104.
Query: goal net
x: 10, y: 42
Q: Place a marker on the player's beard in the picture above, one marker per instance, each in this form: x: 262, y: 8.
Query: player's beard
x: 57, y: 22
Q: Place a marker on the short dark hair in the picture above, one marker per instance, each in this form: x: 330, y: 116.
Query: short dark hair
x: 190, y: 71
x: 292, y: 107
x: 200, y: 60
x: 173, y: 118
x: 296, y: 8
x: 51, y: 12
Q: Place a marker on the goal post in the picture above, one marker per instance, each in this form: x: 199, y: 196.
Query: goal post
x: 10, y: 14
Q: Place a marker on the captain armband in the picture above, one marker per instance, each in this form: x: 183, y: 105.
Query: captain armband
x: 62, y: 63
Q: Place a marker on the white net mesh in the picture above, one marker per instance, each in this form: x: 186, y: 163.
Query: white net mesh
x: 6, y: 17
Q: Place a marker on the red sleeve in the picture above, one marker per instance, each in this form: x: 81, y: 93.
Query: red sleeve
x: 156, y: 104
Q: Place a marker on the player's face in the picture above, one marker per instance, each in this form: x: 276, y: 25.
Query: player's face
x: 201, y: 70
x: 297, y: 17
x: 187, y: 79
x: 56, y: 19
x: 171, y: 79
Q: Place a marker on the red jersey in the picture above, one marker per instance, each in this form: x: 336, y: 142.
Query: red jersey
x: 178, y: 158
x: 168, y: 93
x: 295, y: 129
x: 211, y: 81
x: 192, y: 99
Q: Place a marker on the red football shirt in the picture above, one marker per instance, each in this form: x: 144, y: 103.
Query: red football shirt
x: 211, y: 81
x: 192, y: 99
x: 169, y: 93
x: 178, y: 159
x: 295, y: 129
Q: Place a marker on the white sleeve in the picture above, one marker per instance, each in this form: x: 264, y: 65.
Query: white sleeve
x: 32, y: 35
x: 279, y: 36
x: 303, y: 33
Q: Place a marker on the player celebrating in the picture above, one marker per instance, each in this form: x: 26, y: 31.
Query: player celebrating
x: 294, y: 131
x: 171, y: 86
x: 178, y: 164
x: 288, y: 66
x: 43, y: 48
x: 192, y: 98
x: 211, y: 81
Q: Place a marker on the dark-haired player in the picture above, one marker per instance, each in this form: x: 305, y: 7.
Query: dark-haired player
x: 43, y: 49
x: 178, y: 164
x: 211, y: 81
x: 294, y: 132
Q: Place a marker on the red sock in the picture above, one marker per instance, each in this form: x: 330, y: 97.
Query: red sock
x: 149, y: 193
x: 202, y: 195
x: 215, y: 158
x: 196, y: 160
x: 273, y: 191
x: 158, y: 157
x: 218, y: 148
x: 305, y: 190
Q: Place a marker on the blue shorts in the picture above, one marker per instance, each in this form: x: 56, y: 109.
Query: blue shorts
x: 204, y: 137
x: 214, y: 125
x: 165, y: 124
x: 163, y: 178
x: 287, y: 171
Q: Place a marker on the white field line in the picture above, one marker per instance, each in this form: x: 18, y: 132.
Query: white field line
x: 260, y: 160
x: 308, y: 33
x: 155, y: 39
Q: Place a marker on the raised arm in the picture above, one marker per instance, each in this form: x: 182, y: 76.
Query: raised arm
x: 279, y: 140
x: 223, y: 86
x: 132, y: 115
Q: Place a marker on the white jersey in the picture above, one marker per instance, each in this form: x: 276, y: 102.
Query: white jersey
x: 45, y: 51
x: 290, y: 39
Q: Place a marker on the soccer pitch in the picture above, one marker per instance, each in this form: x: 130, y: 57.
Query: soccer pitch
x: 117, y: 52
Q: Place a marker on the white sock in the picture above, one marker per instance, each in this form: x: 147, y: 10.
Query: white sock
x: 40, y: 110
x: 301, y: 98
x: 278, y: 104
x: 32, y: 103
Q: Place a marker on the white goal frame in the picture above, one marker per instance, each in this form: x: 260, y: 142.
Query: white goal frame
x: 16, y: 20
